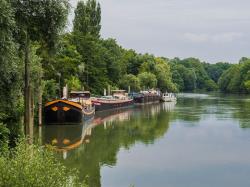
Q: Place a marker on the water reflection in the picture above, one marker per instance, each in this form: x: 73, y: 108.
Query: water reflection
x: 203, y: 140
x: 65, y: 138
x: 193, y: 108
x: 90, y: 146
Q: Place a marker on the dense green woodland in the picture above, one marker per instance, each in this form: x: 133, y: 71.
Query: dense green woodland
x: 37, y: 58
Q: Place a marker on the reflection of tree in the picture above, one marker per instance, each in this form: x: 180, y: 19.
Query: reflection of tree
x: 242, y: 113
x: 145, y: 125
x: 190, y: 109
x: 222, y: 106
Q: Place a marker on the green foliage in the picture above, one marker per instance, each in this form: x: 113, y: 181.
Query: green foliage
x: 183, y: 77
x: 164, y: 76
x: 40, y: 20
x: 247, y: 85
x: 112, y: 55
x: 83, y: 59
x: 161, y: 69
x: 10, y: 67
x: 74, y: 83
x: 235, y: 79
x: 131, y: 81
x: 132, y: 60
x: 31, y: 165
x: 215, y: 71
x: 4, y: 139
x: 50, y: 89
x: 147, y: 80
x: 66, y: 61
x: 190, y: 75
x: 210, y: 85
x: 88, y: 18
x: 95, y: 76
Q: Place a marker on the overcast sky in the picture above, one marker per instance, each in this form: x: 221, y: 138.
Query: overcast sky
x: 212, y: 30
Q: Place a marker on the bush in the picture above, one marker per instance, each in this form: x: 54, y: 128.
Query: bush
x: 31, y: 165
x: 4, y: 139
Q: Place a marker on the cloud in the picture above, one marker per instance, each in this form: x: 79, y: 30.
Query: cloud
x: 215, y: 38
x: 197, y: 38
x: 227, y: 37
x: 211, y: 30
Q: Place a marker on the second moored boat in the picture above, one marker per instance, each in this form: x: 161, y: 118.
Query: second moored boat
x: 150, y: 96
x: 119, y: 99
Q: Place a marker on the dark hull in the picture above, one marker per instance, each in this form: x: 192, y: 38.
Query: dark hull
x: 63, y: 113
x: 100, y: 106
x: 147, y: 99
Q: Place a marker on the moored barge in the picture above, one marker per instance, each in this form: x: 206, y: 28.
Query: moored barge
x: 151, y: 96
x: 119, y: 99
x: 74, y: 110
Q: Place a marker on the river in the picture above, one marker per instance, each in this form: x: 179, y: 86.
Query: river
x: 203, y: 140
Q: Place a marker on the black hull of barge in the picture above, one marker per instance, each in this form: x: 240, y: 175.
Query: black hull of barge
x: 63, y: 113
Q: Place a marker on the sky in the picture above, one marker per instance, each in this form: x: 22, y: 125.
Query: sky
x: 211, y: 30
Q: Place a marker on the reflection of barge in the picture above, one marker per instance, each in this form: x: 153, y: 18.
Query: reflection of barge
x: 71, y: 136
x: 63, y: 138
x: 110, y: 116
x: 118, y: 100
x: 73, y: 110
x: 147, y: 97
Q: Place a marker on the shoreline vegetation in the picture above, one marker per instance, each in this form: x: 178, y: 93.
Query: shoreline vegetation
x: 33, y: 165
x: 37, y: 58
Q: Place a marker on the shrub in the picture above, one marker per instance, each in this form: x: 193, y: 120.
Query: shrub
x: 4, y: 139
x: 31, y: 165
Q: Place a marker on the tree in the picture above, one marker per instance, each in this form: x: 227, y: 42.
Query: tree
x: 190, y: 74
x: 132, y: 60
x: 74, y: 83
x: 10, y: 76
x: 164, y: 76
x: 88, y: 18
x: 235, y: 79
x: 247, y: 85
x: 95, y: 75
x: 210, y: 85
x: 147, y: 80
x: 214, y: 71
x: 131, y: 81
x: 113, y: 57
x: 37, y: 21
x: 67, y: 61
x: 101, y: 58
x: 161, y: 69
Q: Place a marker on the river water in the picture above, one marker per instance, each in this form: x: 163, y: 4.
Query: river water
x: 200, y: 141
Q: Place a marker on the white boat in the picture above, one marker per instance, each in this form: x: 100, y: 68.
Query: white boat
x: 168, y: 97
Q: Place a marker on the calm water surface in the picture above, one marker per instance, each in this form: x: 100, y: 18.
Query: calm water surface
x: 200, y: 141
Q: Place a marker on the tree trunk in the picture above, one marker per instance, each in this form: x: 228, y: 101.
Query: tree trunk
x: 40, y: 100
x: 27, y: 90
x: 31, y: 110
